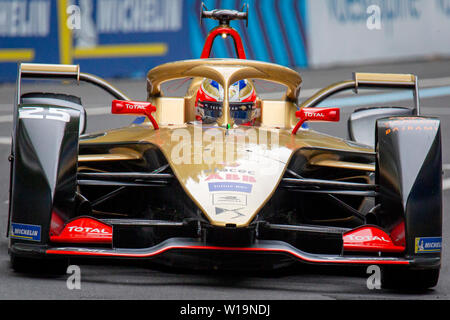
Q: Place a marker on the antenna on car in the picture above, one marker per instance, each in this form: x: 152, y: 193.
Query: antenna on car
x: 224, y: 16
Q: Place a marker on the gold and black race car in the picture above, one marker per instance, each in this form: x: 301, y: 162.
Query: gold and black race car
x: 224, y: 178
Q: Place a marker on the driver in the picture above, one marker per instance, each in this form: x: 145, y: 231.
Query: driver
x: 209, y: 102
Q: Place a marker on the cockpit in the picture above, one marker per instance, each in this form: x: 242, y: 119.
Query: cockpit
x: 242, y: 102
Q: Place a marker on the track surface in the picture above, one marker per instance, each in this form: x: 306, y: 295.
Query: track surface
x: 108, y: 280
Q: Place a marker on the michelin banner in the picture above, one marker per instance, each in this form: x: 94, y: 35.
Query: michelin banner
x: 126, y: 38
x: 358, y: 31
x: 111, y: 38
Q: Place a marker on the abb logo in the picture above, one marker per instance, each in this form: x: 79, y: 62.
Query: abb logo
x: 231, y: 177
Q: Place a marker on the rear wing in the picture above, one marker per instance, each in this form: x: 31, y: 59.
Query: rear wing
x: 62, y: 72
x: 57, y: 72
x: 369, y: 80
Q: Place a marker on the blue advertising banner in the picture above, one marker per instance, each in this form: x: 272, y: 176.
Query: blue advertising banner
x: 126, y: 38
x: 123, y: 38
x: 27, y: 33
x: 276, y: 30
x: 111, y: 38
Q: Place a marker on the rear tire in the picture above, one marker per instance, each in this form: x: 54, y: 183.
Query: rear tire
x: 401, y: 279
x: 45, y: 186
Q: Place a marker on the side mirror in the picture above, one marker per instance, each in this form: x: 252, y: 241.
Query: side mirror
x: 135, y: 107
x: 316, y: 114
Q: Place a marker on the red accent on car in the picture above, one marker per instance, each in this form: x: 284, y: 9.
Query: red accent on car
x: 84, y: 230
x: 316, y: 114
x: 134, y: 107
x: 203, y: 96
x: 111, y: 253
x: 369, y: 239
x: 398, y: 234
x: 251, y: 98
x: 240, y: 51
x: 56, y: 224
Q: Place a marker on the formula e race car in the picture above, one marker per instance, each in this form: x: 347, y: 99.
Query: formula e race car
x: 224, y: 178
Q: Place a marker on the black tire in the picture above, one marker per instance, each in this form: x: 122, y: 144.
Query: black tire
x: 409, y: 178
x: 38, y: 265
x: 401, y: 279
x: 57, y: 99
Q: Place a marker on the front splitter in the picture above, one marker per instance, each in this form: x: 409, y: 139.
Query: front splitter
x: 194, y: 245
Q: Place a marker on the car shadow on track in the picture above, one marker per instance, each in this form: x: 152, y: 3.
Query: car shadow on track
x: 334, y: 282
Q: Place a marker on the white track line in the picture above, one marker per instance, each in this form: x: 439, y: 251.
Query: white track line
x: 6, y: 118
x: 98, y: 111
x: 5, y: 140
x: 446, y: 184
x: 437, y: 82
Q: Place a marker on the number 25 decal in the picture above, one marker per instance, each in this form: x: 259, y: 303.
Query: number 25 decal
x: 51, y: 114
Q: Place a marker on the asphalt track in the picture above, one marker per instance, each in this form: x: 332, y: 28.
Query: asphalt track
x: 135, y: 281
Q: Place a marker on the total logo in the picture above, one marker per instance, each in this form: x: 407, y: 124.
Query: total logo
x: 88, y: 230
x: 315, y: 115
x: 134, y: 107
x: 357, y: 238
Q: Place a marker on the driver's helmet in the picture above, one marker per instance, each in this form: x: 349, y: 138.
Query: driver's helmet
x: 209, y: 102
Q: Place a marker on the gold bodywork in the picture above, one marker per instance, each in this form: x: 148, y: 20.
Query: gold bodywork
x: 278, y: 114
x: 206, y: 162
x: 115, y: 154
x: 216, y: 165
x: 343, y: 165
x: 407, y: 79
x: 231, y: 173
x: 170, y: 111
x: 50, y: 68
x: 225, y: 72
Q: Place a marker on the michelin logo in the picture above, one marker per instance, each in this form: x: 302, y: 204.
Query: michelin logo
x: 425, y: 245
x: 26, y: 231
